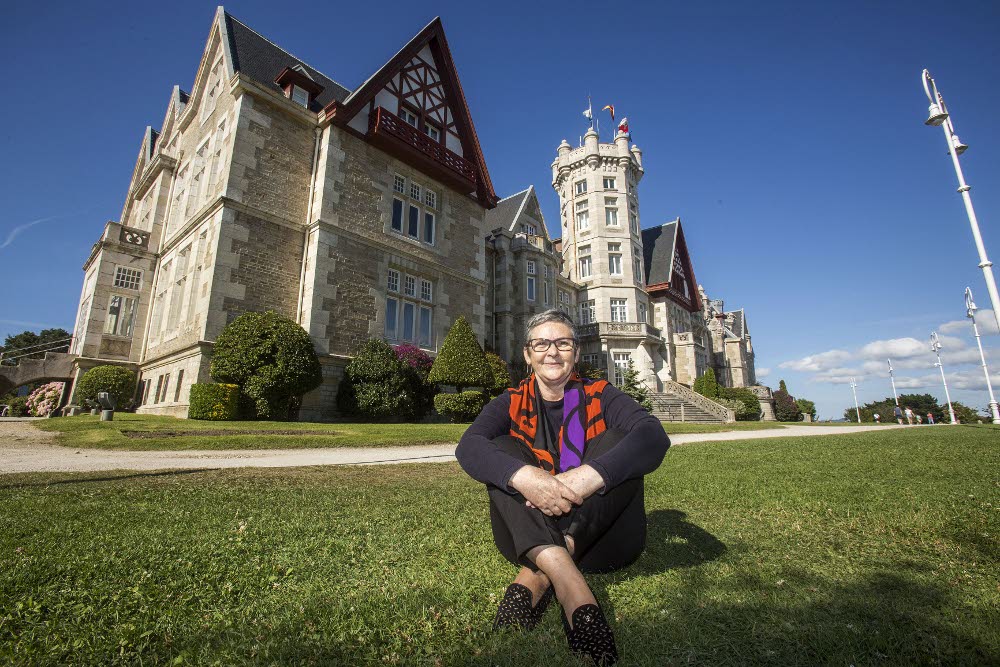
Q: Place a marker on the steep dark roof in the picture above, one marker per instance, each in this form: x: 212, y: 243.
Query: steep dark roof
x: 658, y: 252
x: 503, y: 215
x: 263, y: 61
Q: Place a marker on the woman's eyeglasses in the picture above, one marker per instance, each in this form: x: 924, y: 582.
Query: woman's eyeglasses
x: 543, y: 344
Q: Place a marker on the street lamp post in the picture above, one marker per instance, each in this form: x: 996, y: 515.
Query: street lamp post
x: 938, y: 115
x: 893, y: 381
x: 857, y: 410
x: 970, y: 311
x: 936, y: 349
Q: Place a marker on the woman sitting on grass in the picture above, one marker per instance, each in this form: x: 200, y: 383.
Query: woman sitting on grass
x: 563, y: 459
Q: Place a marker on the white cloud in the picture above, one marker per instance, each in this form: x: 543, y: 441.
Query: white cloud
x: 895, y: 348
x: 985, y: 321
x: 817, y: 362
x: 762, y: 372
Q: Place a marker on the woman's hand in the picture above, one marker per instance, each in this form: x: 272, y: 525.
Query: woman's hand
x: 543, y: 491
x: 584, y: 480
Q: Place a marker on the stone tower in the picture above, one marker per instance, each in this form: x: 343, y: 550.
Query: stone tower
x: 602, y: 249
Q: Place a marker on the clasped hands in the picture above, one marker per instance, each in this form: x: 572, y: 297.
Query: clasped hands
x: 555, y: 495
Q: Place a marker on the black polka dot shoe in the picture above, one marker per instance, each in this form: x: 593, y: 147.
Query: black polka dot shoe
x: 515, y: 609
x: 591, y: 635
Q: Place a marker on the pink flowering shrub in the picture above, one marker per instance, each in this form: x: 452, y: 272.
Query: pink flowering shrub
x: 44, y: 400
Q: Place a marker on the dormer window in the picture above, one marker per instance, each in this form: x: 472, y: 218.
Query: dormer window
x: 298, y: 85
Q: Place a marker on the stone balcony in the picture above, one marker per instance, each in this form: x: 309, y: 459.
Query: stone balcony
x: 521, y: 240
x: 633, y: 330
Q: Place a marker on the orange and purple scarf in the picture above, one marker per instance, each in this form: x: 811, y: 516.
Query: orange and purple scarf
x: 582, y: 420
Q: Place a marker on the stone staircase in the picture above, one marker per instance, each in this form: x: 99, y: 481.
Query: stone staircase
x: 679, y: 404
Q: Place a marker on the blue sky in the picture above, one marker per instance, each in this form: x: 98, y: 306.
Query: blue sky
x: 787, y: 136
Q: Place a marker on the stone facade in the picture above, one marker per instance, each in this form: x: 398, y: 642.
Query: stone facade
x: 256, y: 195
x: 369, y: 214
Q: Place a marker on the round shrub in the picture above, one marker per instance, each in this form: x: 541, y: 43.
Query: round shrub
x: 116, y: 380
x: 377, y: 385
x: 44, y: 399
x: 214, y: 402
x: 462, y: 407
x: 271, y: 358
x: 461, y: 362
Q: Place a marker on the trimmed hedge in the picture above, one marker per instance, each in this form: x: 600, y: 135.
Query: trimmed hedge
x: 707, y: 385
x: 214, y: 402
x: 116, y: 380
x: 462, y: 407
x: 461, y: 362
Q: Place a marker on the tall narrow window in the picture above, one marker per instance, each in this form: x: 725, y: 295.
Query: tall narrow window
x: 413, y: 229
x: 391, y: 310
x: 611, y: 211
x: 399, y: 184
x: 642, y: 313
x: 425, y: 327
x: 392, y: 282
x: 622, y: 361
x: 121, y: 315
x: 588, y: 312
x: 409, y: 311
x: 409, y: 286
x: 428, y: 227
x: 581, y: 187
x: 397, y: 214
x: 180, y: 384
x: 615, y: 258
x: 582, y: 215
x: 619, y: 310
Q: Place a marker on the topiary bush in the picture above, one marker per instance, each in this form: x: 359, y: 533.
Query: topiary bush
x: 214, y: 402
x: 376, y: 385
x: 749, y: 405
x: 271, y: 358
x: 499, y: 374
x: 461, y: 407
x: 43, y: 400
x: 116, y: 380
x: 461, y: 362
x: 785, y: 408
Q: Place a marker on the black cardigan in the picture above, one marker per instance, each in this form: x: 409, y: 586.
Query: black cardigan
x: 639, y: 453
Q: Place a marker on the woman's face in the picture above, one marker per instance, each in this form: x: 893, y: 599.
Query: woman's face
x: 552, y: 366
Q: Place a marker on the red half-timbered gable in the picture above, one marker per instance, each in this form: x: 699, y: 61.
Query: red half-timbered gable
x: 682, y: 287
x: 414, y: 109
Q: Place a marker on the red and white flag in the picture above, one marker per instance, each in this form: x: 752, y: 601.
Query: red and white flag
x: 623, y: 127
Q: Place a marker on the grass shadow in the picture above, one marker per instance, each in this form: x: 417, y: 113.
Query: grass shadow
x: 117, y: 478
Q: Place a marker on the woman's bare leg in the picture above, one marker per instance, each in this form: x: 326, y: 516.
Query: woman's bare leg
x: 570, y: 586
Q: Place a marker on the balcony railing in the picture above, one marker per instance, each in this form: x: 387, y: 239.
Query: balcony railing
x: 396, y: 136
x: 618, y: 330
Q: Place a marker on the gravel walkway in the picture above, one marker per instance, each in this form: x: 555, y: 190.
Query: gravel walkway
x: 24, y: 448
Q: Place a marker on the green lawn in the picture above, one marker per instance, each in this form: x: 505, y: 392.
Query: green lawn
x: 871, y: 548
x: 147, y: 432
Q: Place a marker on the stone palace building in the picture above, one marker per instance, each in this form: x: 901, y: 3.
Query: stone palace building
x: 370, y: 213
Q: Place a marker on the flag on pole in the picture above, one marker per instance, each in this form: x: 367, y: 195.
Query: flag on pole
x: 588, y: 113
x: 623, y: 127
x: 611, y: 108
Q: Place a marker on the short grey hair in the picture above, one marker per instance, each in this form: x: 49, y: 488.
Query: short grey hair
x: 550, y: 315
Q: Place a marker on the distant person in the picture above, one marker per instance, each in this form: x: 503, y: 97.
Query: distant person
x: 909, y: 415
x: 930, y: 418
x: 898, y: 414
x: 920, y: 420
x: 877, y: 418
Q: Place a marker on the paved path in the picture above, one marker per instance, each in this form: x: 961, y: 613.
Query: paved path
x: 24, y: 448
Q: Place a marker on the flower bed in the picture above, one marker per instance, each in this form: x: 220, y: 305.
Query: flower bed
x: 45, y: 399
